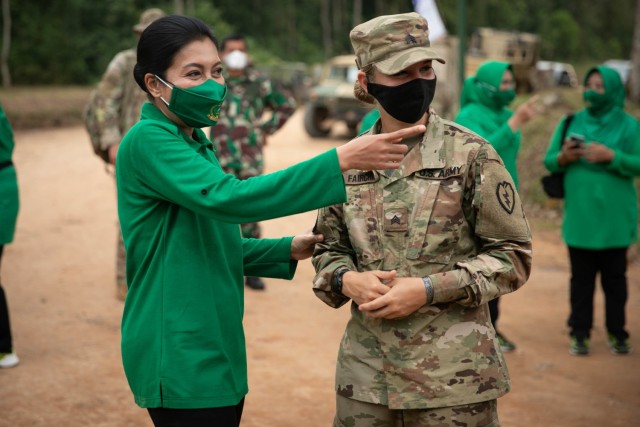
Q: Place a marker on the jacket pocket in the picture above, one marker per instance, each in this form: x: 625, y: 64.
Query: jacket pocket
x: 438, y: 218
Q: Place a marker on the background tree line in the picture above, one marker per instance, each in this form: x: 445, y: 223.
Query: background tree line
x: 71, y: 41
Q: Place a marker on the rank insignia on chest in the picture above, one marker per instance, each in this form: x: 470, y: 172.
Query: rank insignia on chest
x: 396, y: 220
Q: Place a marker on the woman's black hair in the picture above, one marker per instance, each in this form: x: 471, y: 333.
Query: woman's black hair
x: 162, y: 40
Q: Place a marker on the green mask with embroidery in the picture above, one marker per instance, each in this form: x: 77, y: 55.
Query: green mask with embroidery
x: 197, y: 106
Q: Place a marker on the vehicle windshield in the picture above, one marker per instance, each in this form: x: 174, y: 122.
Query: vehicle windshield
x: 348, y: 74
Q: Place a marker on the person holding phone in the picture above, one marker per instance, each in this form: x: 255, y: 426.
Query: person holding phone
x: 600, y: 159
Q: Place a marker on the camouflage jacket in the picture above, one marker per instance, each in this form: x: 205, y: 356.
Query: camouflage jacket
x: 241, y: 130
x: 449, y: 212
x: 119, y: 99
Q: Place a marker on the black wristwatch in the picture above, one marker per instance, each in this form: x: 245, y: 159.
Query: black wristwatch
x: 336, y: 283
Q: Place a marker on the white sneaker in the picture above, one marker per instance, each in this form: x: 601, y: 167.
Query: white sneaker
x: 8, y: 360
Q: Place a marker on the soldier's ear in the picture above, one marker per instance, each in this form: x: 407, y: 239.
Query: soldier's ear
x: 363, y: 80
x: 153, y: 85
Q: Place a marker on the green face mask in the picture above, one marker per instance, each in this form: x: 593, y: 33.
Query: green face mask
x: 506, y: 96
x: 596, y: 102
x: 198, y: 106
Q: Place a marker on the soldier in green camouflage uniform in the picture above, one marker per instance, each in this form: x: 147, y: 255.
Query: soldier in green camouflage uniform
x: 118, y: 101
x: 419, y: 251
x: 241, y: 132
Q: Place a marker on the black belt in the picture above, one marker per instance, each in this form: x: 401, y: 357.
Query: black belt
x: 5, y: 164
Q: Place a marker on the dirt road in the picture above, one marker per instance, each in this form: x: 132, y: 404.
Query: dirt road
x: 59, y: 278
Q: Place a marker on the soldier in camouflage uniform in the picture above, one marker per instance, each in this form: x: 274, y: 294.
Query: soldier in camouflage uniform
x: 241, y: 132
x: 119, y: 100
x: 419, y: 251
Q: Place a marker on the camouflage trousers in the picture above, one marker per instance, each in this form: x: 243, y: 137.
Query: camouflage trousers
x: 354, y: 413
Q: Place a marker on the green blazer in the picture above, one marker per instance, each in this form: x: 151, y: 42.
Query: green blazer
x: 182, y: 338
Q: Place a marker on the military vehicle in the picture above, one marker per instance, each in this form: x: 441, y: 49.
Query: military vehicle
x: 332, y: 99
x: 519, y: 49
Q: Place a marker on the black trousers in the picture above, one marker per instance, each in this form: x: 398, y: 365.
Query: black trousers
x: 494, y: 311
x: 612, y: 266
x: 226, y: 416
x: 6, y: 344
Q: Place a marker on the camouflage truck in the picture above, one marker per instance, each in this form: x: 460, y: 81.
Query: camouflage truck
x: 519, y: 49
x: 332, y: 99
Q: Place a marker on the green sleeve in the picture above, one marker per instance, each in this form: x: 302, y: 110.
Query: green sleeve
x: 269, y: 258
x: 555, y: 145
x: 627, y: 162
x: 168, y: 168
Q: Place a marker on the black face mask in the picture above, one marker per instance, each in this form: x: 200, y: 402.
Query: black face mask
x: 407, y: 102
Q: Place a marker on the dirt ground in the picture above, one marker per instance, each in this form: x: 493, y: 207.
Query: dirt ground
x: 59, y: 278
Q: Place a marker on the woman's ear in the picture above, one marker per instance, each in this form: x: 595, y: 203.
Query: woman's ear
x: 153, y: 85
x: 363, y: 80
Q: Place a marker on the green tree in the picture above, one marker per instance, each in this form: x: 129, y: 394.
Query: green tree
x: 560, y: 36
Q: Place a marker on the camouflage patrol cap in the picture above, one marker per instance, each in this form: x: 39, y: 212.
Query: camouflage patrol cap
x: 147, y: 17
x: 393, y: 42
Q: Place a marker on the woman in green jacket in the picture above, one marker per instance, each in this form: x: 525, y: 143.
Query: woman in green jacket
x: 484, y: 109
x: 183, y: 343
x: 9, y: 204
x: 600, y: 208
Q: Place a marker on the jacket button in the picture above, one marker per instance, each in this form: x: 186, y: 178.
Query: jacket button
x: 203, y: 192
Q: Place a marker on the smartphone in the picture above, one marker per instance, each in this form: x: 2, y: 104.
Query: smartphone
x: 578, y: 140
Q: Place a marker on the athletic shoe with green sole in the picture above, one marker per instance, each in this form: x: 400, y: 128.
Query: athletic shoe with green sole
x: 618, y: 345
x: 579, y: 346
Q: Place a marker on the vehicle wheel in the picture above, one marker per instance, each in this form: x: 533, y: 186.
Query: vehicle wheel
x: 314, y: 121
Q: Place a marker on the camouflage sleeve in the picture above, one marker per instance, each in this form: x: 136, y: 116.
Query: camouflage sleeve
x: 503, y: 263
x: 109, y: 96
x: 334, y: 252
x: 282, y: 107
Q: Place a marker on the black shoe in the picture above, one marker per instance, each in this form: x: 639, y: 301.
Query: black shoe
x: 254, y: 283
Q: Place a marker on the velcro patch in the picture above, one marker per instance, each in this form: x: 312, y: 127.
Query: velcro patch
x: 396, y: 220
x: 501, y: 215
x: 506, y: 196
x: 439, y: 173
x: 360, y: 177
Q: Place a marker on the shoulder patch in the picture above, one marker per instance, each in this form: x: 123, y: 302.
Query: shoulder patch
x: 360, y: 177
x: 506, y: 196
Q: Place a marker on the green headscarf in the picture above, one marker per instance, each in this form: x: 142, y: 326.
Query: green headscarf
x: 487, y: 80
x: 604, y: 122
x: 484, y: 110
x: 468, y: 94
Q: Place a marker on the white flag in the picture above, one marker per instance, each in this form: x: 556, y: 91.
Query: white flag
x: 429, y: 10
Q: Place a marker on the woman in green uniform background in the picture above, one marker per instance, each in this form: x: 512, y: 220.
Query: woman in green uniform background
x: 183, y: 343
x: 600, y: 205
x: 9, y: 204
x: 484, y: 109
